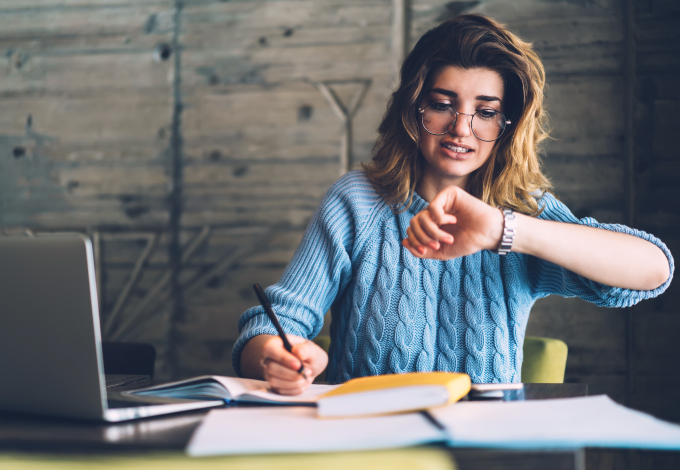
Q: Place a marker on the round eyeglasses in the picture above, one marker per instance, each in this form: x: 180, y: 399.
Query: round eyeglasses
x: 439, y: 117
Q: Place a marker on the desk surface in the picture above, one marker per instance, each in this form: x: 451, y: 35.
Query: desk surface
x: 170, y: 432
x: 21, y: 433
x: 160, y: 437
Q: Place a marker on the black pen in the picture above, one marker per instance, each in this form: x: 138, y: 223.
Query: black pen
x: 272, y: 316
x: 428, y: 416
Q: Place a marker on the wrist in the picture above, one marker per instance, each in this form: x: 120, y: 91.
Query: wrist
x: 525, y: 239
x: 495, y: 233
x: 508, y: 232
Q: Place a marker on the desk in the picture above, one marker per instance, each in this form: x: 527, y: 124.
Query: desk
x: 21, y: 433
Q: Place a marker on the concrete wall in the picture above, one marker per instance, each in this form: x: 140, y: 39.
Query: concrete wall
x: 213, y: 128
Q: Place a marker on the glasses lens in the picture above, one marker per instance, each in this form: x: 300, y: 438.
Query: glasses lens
x: 439, y: 118
x: 488, y: 125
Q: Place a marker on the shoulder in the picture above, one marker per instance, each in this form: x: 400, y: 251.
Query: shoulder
x: 353, y: 209
x: 355, y: 191
x: 354, y: 183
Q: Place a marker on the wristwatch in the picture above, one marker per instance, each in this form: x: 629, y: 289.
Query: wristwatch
x: 509, y: 231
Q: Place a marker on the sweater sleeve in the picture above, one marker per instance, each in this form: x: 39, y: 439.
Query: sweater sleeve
x: 320, y: 268
x: 547, y: 278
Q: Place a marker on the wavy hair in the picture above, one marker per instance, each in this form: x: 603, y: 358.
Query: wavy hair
x: 511, y: 176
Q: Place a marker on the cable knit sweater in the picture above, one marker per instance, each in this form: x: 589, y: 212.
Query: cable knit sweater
x: 394, y: 313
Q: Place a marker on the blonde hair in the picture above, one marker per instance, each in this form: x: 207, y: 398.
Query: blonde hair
x: 511, y: 176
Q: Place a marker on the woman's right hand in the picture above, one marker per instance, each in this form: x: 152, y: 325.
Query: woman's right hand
x: 279, y: 367
x: 455, y: 224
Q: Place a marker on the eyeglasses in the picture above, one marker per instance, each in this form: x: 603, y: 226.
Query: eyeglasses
x: 439, y: 117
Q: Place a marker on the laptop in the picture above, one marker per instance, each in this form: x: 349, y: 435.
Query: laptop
x: 50, y: 340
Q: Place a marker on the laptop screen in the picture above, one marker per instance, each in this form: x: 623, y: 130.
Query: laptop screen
x: 50, y: 345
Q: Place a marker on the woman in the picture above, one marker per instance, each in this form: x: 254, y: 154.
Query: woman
x: 420, y: 268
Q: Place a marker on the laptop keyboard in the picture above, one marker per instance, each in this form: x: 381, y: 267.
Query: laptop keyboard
x: 121, y: 404
x: 119, y: 380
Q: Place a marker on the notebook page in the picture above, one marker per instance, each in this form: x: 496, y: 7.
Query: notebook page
x: 264, y: 395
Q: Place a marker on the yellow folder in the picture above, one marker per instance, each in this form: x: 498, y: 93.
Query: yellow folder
x: 393, y: 393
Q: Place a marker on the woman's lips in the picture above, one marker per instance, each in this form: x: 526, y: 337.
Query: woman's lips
x: 457, y: 151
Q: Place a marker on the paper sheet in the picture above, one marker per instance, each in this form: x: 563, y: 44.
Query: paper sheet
x: 560, y: 423
x: 296, y: 429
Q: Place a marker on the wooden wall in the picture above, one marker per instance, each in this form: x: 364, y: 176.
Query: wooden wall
x: 160, y: 123
x: 655, y: 83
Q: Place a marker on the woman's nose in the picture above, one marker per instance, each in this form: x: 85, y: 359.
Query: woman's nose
x: 462, y: 127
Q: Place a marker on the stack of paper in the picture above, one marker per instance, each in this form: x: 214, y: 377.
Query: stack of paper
x: 536, y: 424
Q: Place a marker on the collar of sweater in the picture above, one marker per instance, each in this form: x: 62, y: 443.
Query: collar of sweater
x: 418, y: 204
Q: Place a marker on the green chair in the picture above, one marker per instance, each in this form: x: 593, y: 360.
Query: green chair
x: 545, y: 359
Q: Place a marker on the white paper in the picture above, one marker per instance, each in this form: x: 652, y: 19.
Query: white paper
x: 560, y: 423
x: 264, y: 395
x: 236, y: 385
x: 296, y: 429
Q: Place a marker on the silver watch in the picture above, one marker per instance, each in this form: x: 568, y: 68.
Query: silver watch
x: 509, y: 231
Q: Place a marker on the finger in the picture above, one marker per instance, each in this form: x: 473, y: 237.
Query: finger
x: 427, y: 252
x: 274, y: 350
x: 434, y: 231
x: 442, y: 206
x: 405, y: 243
x: 308, y: 353
x: 420, y: 233
x: 440, y: 217
x: 301, y: 351
x: 274, y: 369
x: 291, y: 390
x: 294, y: 339
x: 414, y: 242
x: 288, y: 388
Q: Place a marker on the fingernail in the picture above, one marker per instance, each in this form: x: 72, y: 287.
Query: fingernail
x: 421, y: 250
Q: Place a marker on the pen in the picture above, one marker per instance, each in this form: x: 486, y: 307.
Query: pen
x: 428, y: 416
x: 272, y: 316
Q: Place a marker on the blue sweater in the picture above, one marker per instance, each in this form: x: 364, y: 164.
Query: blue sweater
x: 395, y: 313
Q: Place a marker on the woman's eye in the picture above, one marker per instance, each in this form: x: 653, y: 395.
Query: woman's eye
x: 487, y: 113
x: 441, y: 106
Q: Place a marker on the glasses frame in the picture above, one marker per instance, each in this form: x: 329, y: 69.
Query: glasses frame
x: 455, y: 120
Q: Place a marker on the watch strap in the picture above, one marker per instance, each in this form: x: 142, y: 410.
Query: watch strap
x: 509, y: 231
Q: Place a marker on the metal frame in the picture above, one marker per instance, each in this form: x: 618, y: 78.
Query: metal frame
x: 421, y: 111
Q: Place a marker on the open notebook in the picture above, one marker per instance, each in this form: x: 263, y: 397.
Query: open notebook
x: 210, y: 387
x: 393, y: 393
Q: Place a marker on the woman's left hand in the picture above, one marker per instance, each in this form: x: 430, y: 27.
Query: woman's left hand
x: 455, y: 224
